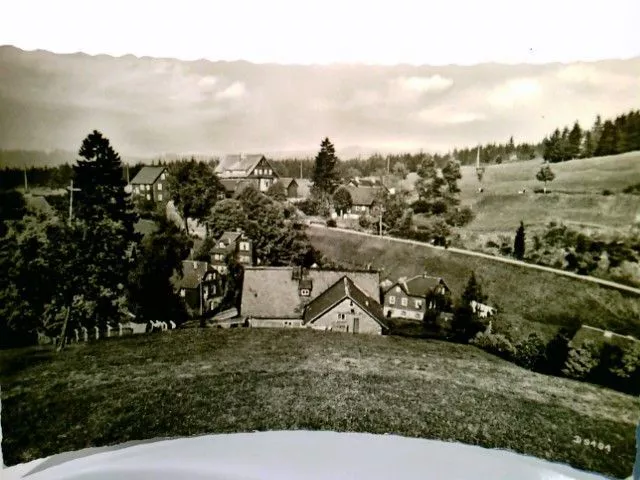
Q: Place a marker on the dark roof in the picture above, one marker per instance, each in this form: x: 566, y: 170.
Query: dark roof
x: 363, y: 195
x: 145, y: 227
x: 239, y: 162
x: 287, y: 181
x: 419, y: 286
x: 599, y: 337
x: 192, y: 274
x: 271, y: 292
x: 148, y: 175
x: 235, y: 185
x: 342, y: 289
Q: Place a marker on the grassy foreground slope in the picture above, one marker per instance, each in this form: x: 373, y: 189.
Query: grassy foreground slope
x: 534, y: 295
x: 196, y: 381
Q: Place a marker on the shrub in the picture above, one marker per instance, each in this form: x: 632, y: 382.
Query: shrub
x: 581, y: 361
x: 420, y: 206
x: 460, y: 217
x: 364, y: 221
x: 439, y: 207
x: 495, y: 343
x: 606, y: 192
x: 557, y: 351
x: 331, y: 223
x: 531, y: 352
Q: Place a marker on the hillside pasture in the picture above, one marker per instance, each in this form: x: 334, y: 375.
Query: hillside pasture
x: 520, y: 292
x: 193, y: 382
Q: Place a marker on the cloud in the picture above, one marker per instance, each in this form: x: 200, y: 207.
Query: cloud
x: 449, y: 115
x: 516, y: 92
x: 207, y: 81
x: 590, y: 75
x: 233, y: 91
x: 434, y: 83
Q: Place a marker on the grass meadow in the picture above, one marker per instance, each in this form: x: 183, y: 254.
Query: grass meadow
x: 533, y: 296
x: 190, y: 382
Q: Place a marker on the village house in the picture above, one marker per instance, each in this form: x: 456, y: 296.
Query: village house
x: 411, y: 298
x: 323, y: 299
x: 199, y: 286
x: 150, y: 183
x: 363, y: 201
x: 254, y: 169
x: 229, y: 243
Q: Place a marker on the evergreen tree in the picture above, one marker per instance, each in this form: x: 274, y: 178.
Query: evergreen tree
x: 596, y: 131
x: 99, y: 178
x: 466, y: 323
x: 552, y: 147
x: 608, y: 142
x: 325, y: 174
x: 575, y: 141
x: 564, y: 145
x: 519, y: 242
x: 589, y: 146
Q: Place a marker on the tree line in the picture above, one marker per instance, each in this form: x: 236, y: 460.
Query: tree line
x: 611, y: 137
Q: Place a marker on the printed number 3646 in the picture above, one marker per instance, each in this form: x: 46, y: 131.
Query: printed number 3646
x: 591, y: 443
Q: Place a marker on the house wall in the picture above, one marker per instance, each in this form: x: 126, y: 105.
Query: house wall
x: 393, y: 305
x: 292, y: 191
x: 275, y: 322
x: 342, y: 318
x: 156, y: 191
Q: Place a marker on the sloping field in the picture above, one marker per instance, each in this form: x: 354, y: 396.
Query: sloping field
x: 214, y: 381
x: 589, y: 175
x: 533, y: 295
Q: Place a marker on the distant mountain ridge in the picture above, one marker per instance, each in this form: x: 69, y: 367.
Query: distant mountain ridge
x: 147, y: 106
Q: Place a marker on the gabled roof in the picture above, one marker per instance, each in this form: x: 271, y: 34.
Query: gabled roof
x: 192, y: 274
x: 418, y: 286
x: 287, y: 181
x: 148, y: 175
x: 271, y: 292
x: 363, y: 195
x: 344, y: 288
x: 229, y: 239
x: 239, y: 163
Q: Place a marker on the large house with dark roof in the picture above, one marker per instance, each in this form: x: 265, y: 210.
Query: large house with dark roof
x: 325, y: 299
x: 232, y: 242
x: 150, y: 183
x: 254, y: 169
x: 199, y: 286
x: 411, y: 298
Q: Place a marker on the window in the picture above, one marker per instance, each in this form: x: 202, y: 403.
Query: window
x: 182, y: 292
x: 221, y: 245
x: 137, y: 189
x: 244, y: 259
x: 160, y: 196
x: 244, y: 246
x: 418, y: 303
x: 392, y: 300
x: 163, y: 176
x: 404, y: 302
x: 397, y: 289
x: 304, y: 292
x: 159, y: 186
x: 269, y: 172
x: 148, y: 197
x: 341, y: 316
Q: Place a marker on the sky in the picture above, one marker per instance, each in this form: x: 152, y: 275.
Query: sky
x: 327, y: 31
x: 406, y: 97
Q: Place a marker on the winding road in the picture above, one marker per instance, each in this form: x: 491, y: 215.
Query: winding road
x: 586, y: 278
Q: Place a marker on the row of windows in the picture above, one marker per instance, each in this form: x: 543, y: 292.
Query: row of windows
x: 148, y: 196
x: 263, y: 171
x: 404, y: 301
x: 146, y: 188
x: 244, y: 246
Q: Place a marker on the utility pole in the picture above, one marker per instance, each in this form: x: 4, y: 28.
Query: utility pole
x: 300, y: 169
x: 26, y: 186
x: 71, y: 190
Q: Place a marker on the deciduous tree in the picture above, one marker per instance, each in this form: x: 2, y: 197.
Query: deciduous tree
x: 545, y: 174
x: 342, y: 200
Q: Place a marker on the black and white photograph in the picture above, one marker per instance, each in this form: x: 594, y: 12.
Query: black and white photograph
x: 320, y: 240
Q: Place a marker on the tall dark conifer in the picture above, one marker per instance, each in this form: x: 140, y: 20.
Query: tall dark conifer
x: 98, y: 176
x: 519, y: 243
x: 325, y: 173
